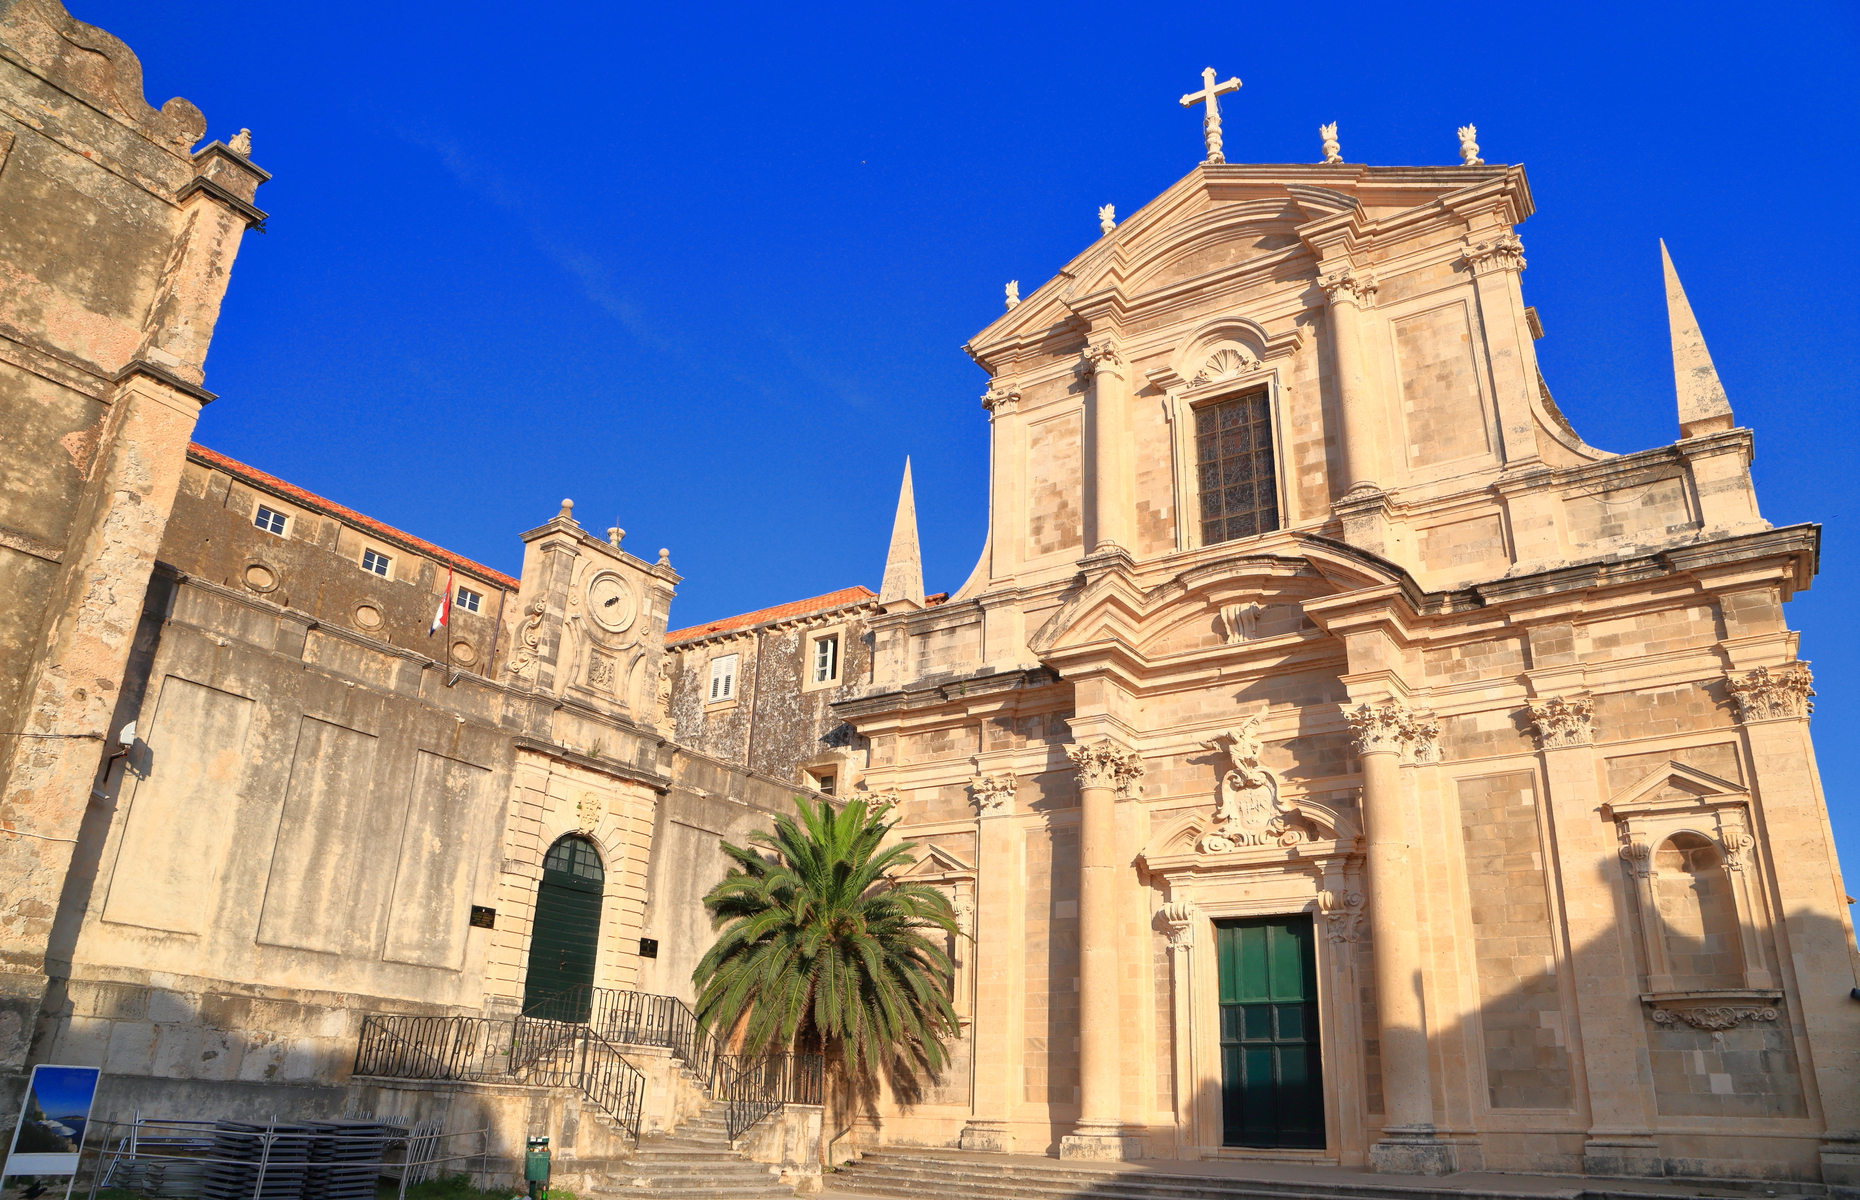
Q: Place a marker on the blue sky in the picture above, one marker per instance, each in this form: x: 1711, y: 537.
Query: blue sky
x: 706, y: 268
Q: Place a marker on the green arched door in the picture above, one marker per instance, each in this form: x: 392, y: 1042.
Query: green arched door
x: 565, y: 933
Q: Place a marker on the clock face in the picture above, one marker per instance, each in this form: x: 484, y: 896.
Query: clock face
x: 610, y: 602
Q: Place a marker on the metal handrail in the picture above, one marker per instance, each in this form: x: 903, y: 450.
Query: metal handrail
x: 755, y: 1086
x: 634, y: 1018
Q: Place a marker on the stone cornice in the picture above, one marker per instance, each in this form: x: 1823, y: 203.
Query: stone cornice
x: 605, y: 766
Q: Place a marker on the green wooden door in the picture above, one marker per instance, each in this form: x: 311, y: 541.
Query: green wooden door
x: 1272, y: 1090
x: 566, y: 932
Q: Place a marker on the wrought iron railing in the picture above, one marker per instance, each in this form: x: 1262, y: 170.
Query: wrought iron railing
x: 754, y: 1086
x: 573, y: 1040
x: 634, y: 1019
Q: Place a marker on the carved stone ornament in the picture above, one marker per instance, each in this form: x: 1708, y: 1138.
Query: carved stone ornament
x: 1343, y: 911
x: 1178, y: 920
x: 1564, y: 721
x: 1639, y: 858
x: 529, y: 637
x: 1013, y: 293
x: 600, y: 671
x: 1107, y: 218
x: 1224, y: 364
x: 878, y: 798
x: 1390, y: 727
x: 1333, y: 153
x: 1469, y: 148
x: 994, y: 794
x: 1239, y: 622
x: 1763, y: 695
x: 241, y: 143
x: 1107, y: 764
x: 1714, y: 1016
x: 1102, y: 356
x: 1737, y: 844
x: 1247, y: 807
x: 1002, y: 398
x: 1504, y: 252
x: 1349, y: 284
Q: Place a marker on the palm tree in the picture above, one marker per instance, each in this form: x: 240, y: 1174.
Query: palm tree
x: 823, y: 949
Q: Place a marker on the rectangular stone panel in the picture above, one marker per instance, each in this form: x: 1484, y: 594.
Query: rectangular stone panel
x: 1644, y: 508
x: 442, y: 845
x: 1443, y: 412
x: 182, y: 814
x: 1520, y: 1010
x: 1468, y: 547
x: 1055, y: 482
x: 332, y: 830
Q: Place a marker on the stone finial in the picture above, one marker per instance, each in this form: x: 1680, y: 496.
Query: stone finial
x: 615, y: 535
x: 1106, y: 764
x: 568, y: 511
x: 1107, y: 218
x: 1469, y: 149
x: 1013, y: 293
x: 1703, y: 406
x: 1564, y: 721
x: 994, y: 794
x: 1333, y: 153
x: 241, y: 143
x: 1763, y: 695
x: 904, y: 568
x: 1211, y: 122
x: 665, y: 557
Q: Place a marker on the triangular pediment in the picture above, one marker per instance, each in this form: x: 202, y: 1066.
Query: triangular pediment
x: 1674, y: 786
x: 934, y: 862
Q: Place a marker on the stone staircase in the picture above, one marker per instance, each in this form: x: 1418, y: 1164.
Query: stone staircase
x: 694, y: 1162
x: 903, y: 1173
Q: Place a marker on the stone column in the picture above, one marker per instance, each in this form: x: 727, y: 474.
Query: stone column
x: 1104, y: 367
x: 1104, y: 769
x: 1773, y: 704
x: 1350, y: 291
x: 1179, y: 917
x: 1408, y: 1145
x: 999, y: 953
x: 1004, y: 426
x: 1613, y: 1047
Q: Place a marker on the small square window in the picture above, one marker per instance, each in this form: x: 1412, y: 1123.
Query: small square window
x: 826, y: 666
x: 723, y: 678
x: 469, y: 600
x: 270, y: 520
x: 374, y: 560
x: 824, y: 784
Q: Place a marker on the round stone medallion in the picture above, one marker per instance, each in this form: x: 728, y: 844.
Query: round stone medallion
x: 463, y: 654
x: 610, y: 601
x: 367, y: 616
x: 260, y: 578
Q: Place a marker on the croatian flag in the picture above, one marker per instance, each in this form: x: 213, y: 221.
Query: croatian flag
x: 444, y: 612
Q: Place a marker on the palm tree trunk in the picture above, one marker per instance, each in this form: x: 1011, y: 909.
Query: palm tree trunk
x: 828, y: 1062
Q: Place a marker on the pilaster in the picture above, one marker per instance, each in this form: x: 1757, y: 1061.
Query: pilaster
x: 1000, y: 962
x: 1103, y: 367
x: 1495, y: 257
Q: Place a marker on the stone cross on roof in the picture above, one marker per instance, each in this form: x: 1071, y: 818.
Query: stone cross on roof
x: 1211, y: 124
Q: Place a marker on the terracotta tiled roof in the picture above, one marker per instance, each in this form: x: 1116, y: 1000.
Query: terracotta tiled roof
x: 858, y: 594
x: 290, y: 491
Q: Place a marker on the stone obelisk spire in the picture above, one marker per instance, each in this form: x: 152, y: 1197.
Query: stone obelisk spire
x: 904, y: 568
x: 1703, y: 406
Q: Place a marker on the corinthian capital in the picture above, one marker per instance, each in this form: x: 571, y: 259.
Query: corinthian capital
x: 1106, y: 764
x: 1350, y: 284
x: 1562, y: 721
x: 1503, y: 252
x: 994, y: 794
x: 1763, y: 695
x: 1393, y: 728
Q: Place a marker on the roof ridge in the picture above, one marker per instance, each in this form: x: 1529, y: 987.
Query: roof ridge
x: 265, y: 479
x: 844, y: 597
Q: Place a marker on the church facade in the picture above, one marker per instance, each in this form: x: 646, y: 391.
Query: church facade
x: 1331, y: 758
x: 1335, y: 758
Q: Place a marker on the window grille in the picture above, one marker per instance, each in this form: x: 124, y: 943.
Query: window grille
x: 1234, y: 469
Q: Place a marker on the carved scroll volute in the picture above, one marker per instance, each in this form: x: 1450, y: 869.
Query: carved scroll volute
x: 1178, y: 921
x: 1639, y: 858
x: 1343, y: 911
